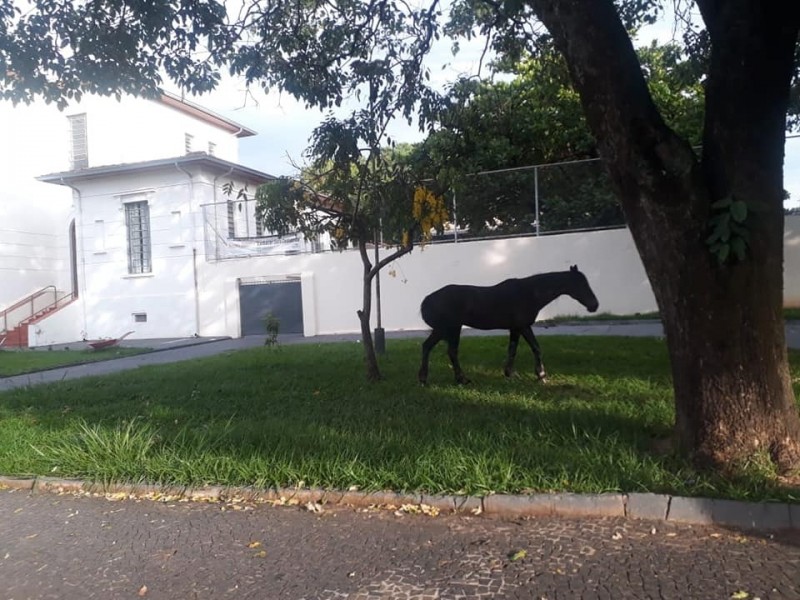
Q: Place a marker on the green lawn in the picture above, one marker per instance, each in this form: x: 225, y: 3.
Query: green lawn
x: 280, y: 416
x: 16, y: 362
x: 789, y: 314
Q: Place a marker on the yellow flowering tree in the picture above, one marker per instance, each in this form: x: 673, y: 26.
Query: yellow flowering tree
x: 359, y: 204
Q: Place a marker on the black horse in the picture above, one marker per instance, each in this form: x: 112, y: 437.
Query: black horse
x: 513, y: 304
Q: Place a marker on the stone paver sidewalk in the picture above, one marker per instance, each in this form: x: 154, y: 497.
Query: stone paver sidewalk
x: 66, y: 547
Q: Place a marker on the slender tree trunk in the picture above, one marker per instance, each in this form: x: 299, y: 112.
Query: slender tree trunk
x: 370, y: 358
x: 724, y: 323
x: 370, y: 270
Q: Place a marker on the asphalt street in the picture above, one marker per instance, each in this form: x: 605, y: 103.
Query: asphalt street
x: 65, y: 547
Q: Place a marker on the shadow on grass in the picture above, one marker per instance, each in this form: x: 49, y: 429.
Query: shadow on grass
x: 276, y: 417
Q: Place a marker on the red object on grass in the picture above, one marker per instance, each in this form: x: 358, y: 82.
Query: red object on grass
x: 107, y: 343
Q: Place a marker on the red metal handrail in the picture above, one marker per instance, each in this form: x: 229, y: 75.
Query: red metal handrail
x: 68, y: 296
x: 28, y: 300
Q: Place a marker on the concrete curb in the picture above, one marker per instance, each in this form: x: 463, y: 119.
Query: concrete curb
x: 757, y: 516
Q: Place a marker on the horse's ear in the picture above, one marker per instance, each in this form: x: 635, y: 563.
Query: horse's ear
x: 573, y: 268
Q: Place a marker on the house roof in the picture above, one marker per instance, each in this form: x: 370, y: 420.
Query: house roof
x: 199, y: 159
x: 203, y: 114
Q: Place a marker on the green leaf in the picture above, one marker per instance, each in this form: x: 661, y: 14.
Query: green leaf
x: 739, y: 248
x: 740, y: 231
x: 739, y: 211
x: 723, y: 252
x: 722, y: 202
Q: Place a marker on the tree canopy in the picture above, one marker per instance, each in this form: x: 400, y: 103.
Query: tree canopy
x: 534, y: 119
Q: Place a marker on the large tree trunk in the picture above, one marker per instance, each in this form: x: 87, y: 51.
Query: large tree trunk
x: 724, y: 323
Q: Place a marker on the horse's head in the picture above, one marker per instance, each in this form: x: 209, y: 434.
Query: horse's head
x: 580, y: 290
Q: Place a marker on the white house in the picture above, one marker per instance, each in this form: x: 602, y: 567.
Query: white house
x: 117, y: 245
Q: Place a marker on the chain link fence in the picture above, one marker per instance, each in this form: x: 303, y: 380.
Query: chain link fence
x: 525, y: 201
x: 535, y: 200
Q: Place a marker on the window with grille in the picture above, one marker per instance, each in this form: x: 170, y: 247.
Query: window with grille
x: 79, y: 148
x: 231, y: 220
x: 212, y: 148
x: 259, y: 224
x: 188, y: 142
x: 137, y: 222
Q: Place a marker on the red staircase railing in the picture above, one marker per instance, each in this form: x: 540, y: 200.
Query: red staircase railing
x: 36, y: 304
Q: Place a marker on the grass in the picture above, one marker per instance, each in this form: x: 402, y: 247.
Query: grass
x: 789, y: 314
x: 303, y: 415
x: 17, y: 362
x: 649, y: 316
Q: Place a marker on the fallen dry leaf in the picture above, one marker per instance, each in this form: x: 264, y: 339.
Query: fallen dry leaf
x: 143, y: 591
x: 314, y: 507
x: 418, y: 509
x: 260, y: 554
x: 254, y: 544
x: 740, y: 595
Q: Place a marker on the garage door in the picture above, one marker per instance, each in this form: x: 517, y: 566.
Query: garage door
x: 259, y: 297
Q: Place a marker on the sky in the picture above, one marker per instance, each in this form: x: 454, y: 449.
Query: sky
x: 284, y: 125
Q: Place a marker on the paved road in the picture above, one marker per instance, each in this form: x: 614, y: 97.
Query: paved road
x: 175, y: 350
x: 65, y: 548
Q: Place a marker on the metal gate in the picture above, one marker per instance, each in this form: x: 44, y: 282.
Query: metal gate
x: 259, y: 297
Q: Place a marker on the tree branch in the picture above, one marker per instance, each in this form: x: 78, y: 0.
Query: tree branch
x: 393, y: 256
x: 639, y: 148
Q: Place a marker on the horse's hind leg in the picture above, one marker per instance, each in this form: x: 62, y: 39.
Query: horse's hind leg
x: 427, y: 346
x: 513, y: 340
x: 527, y: 333
x: 453, y: 337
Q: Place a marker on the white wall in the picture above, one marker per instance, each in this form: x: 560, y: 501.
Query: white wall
x: 59, y: 327
x: 134, y: 130
x: 791, y: 262
x: 34, y: 217
x: 331, y: 282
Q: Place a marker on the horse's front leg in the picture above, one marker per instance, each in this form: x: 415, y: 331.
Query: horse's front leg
x: 513, y: 341
x: 427, y: 346
x: 453, y: 338
x: 527, y: 333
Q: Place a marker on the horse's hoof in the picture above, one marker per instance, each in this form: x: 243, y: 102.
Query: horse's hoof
x: 463, y: 381
x: 542, y: 379
x: 508, y: 372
